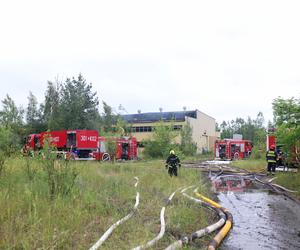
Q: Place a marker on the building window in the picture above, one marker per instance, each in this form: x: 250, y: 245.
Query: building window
x: 177, y: 127
x: 145, y: 129
x: 141, y: 129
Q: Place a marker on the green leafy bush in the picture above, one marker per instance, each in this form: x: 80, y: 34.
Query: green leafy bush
x: 187, y: 146
x: 162, y: 141
x: 8, y: 146
x: 59, y: 174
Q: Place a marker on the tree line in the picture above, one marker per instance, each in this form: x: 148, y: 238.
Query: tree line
x: 71, y: 104
x: 285, y: 125
x: 251, y: 129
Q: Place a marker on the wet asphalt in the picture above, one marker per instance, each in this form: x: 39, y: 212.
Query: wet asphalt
x: 262, y: 220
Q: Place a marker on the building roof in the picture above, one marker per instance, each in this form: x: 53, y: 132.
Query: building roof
x: 158, y: 116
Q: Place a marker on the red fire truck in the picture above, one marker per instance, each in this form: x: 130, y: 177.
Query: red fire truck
x: 82, y: 145
x: 231, y: 149
x: 126, y: 149
x: 68, y: 143
x: 287, y: 158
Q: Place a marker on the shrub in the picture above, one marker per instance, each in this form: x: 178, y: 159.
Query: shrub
x: 60, y: 175
x: 187, y: 146
x: 258, y: 152
x: 8, y: 146
x: 162, y: 142
x: 111, y: 149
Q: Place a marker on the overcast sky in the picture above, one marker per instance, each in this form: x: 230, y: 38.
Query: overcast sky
x: 226, y: 58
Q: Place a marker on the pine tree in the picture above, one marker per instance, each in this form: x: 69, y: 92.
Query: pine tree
x: 32, y: 113
x: 11, y: 115
x: 78, y: 104
x: 107, y: 117
x: 51, y: 107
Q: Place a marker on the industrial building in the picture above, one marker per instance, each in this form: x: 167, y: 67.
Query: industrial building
x: 203, y: 126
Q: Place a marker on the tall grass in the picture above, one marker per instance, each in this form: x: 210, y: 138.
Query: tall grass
x: 289, y: 180
x: 102, y: 194
x: 255, y: 165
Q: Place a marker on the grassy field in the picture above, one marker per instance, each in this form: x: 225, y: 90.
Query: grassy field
x: 103, y: 193
x: 250, y: 165
x: 290, y: 181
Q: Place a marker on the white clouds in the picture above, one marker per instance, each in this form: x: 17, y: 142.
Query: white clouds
x: 226, y: 58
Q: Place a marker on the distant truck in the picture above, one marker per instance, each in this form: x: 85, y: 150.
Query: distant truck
x: 231, y: 149
x: 286, y: 158
x: 81, y: 145
x: 68, y: 143
x: 126, y: 149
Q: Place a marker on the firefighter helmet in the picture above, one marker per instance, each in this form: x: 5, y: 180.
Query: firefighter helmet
x: 172, y: 152
x: 272, y: 147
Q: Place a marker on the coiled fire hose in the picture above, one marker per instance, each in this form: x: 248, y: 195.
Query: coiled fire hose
x: 187, y: 239
x: 225, y: 229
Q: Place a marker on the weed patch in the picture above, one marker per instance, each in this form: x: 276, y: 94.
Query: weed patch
x: 102, y: 193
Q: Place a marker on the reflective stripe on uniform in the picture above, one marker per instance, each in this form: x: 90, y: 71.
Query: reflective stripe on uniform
x: 271, y: 157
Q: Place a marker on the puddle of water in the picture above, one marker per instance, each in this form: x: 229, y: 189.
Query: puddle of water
x: 262, y: 220
x: 231, y: 183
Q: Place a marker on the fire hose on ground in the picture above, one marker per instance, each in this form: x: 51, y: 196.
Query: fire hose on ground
x: 279, y: 189
x: 200, y: 233
x: 222, y: 213
x: 162, y: 226
x: 225, y: 229
x: 119, y: 222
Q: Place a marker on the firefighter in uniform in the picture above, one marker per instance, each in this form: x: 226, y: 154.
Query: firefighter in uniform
x: 172, y: 162
x: 271, y: 157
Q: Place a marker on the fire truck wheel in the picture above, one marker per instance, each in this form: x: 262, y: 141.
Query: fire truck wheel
x: 236, y: 156
x: 105, y: 157
x: 69, y: 157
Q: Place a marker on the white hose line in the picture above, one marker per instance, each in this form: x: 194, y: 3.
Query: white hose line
x: 200, y: 233
x: 162, y: 226
x: 183, y: 190
x: 272, y: 179
x: 137, y: 181
x: 159, y: 236
x: 193, y: 199
x: 212, y: 227
x: 275, y: 185
x: 283, y: 188
x: 119, y: 222
x: 247, y: 176
x: 260, y: 180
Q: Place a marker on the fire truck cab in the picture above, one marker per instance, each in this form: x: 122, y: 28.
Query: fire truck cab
x: 126, y: 149
x: 231, y: 149
x: 31, y: 143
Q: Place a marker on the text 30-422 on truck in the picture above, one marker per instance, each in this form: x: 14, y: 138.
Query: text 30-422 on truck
x: 81, y: 145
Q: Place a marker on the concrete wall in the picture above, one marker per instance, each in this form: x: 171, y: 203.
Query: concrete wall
x: 204, y: 133
x: 148, y: 135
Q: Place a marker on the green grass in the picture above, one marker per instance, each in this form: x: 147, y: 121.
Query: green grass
x: 199, y: 157
x: 103, y: 193
x: 290, y: 181
x: 250, y: 165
